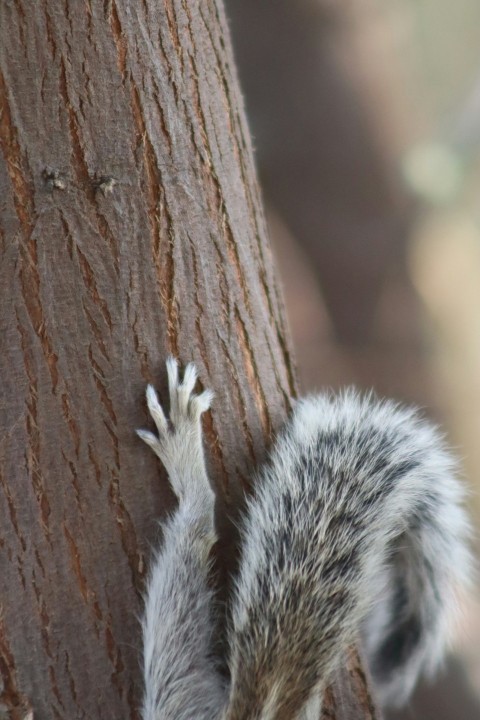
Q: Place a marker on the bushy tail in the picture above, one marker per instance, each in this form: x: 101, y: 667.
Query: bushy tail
x: 356, y: 518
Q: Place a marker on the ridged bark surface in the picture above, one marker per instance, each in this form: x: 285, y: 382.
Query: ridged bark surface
x: 130, y: 228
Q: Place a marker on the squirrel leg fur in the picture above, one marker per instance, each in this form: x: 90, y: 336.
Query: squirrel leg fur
x: 181, y: 682
x: 355, y: 522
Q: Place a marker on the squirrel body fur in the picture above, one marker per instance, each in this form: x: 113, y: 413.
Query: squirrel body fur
x: 355, y: 526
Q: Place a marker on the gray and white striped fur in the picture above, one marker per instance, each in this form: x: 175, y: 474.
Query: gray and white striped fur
x: 355, y: 523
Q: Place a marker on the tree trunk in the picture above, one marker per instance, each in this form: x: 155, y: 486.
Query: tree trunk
x: 130, y: 227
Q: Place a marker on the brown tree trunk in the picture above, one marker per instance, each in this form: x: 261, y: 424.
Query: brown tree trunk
x: 130, y: 227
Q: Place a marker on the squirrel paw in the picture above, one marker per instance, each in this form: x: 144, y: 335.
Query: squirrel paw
x: 179, y: 441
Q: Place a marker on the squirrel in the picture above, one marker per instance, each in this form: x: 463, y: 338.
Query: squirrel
x: 355, y: 526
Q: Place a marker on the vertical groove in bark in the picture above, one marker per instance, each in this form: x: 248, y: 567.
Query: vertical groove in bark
x: 130, y: 227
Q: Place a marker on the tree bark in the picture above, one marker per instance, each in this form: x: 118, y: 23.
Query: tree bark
x: 130, y: 228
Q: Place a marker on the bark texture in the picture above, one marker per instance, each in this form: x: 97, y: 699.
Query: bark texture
x: 130, y: 227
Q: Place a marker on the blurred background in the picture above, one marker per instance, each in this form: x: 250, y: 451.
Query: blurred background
x: 365, y: 116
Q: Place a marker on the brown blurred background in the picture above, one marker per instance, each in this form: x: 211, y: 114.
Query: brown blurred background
x: 366, y: 121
